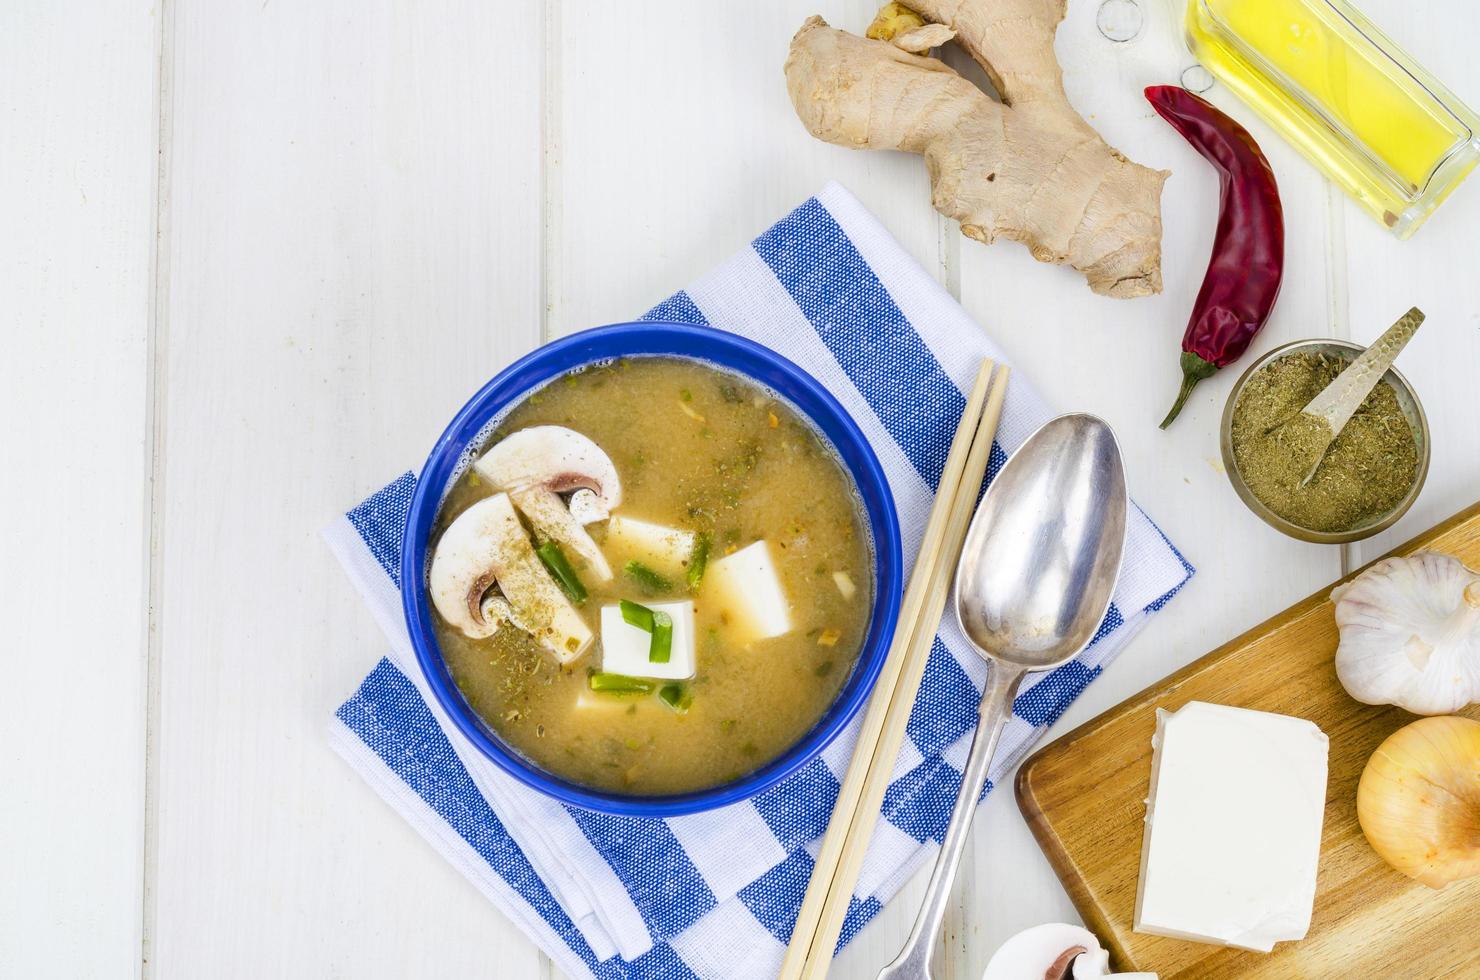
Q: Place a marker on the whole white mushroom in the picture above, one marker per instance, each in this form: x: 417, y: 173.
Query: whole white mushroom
x: 1054, y: 951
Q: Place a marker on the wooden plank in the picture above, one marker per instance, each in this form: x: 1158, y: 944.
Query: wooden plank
x: 663, y: 165
x: 1118, y: 359
x: 352, y: 249
x: 77, y: 91
x: 667, y: 163
x: 742, y: 160
x: 1443, y: 358
x: 1084, y: 797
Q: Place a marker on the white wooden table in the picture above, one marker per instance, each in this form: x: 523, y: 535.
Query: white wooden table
x: 256, y: 253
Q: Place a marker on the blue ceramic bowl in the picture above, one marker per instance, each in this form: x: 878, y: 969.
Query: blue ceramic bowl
x: 725, y: 350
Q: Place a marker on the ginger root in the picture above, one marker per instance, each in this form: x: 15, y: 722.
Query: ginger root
x: 1028, y: 168
x: 892, y: 19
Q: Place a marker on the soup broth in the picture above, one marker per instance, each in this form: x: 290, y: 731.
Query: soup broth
x: 716, y: 459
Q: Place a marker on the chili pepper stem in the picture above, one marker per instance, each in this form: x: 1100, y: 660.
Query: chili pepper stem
x: 1194, y: 369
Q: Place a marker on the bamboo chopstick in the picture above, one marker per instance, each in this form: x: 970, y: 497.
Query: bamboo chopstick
x: 856, y: 811
x: 881, y: 769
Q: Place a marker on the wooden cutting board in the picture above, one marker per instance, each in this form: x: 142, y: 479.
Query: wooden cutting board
x: 1084, y: 797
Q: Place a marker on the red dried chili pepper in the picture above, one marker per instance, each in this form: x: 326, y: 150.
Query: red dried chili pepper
x: 1243, y: 277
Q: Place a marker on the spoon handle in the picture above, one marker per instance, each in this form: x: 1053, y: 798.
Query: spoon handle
x: 913, y: 962
x: 1340, y: 399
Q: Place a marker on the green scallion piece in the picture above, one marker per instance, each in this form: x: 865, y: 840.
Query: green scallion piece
x: 620, y: 684
x: 637, y: 614
x: 659, y: 624
x: 560, y: 570
x: 650, y: 580
x: 662, y: 646
x: 676, y: 696
x: 698, y: 561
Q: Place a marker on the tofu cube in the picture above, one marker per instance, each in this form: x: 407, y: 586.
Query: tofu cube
x: 845, y: 585
x: 624, y: 647
x: 746, y: 590
x: 663, y: 549
x: 1233, y: 827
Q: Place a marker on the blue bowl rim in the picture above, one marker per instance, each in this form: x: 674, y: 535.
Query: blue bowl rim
x: 637, y: 339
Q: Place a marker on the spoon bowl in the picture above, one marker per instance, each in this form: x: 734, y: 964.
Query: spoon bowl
x: 1042, y: 555
x: 1037, y: 572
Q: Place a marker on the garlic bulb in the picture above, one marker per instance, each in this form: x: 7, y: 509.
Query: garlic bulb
x: 1419, y: 800
x: 1410, y: 634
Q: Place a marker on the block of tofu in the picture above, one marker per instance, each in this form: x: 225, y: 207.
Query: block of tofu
x: 1233, y: 827
x: 624, y: 647
x: 663, y: 549
x: 746, y: 589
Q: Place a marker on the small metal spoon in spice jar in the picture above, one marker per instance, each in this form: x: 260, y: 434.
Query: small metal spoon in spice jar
x: 1370, y: 474
x: 1323, y: 418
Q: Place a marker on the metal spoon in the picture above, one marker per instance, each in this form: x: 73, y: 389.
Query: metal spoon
x: 1034, y: 582
x: 1339, y: 400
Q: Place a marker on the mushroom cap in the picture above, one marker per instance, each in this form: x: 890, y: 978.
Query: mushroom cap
x: 462, y: 567
x: 536, y: 465
x: 1053, y: 951
x: 487, y: 546
x: 558, y: 459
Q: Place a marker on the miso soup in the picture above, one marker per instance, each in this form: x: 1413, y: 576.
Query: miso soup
x: 654, y: 579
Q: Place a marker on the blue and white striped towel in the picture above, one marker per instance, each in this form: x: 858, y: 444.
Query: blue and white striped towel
x: 716, y: 894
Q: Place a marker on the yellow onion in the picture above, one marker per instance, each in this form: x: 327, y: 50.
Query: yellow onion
x: 1419, y: 800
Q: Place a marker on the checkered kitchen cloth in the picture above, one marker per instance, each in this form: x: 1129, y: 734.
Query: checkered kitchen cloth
x: 715, y: 894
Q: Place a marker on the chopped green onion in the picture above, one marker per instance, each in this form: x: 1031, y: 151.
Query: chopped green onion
x: 650, y: 580
x: 676, y: 696
x: 698, y: 561
x: 561, y: 571
x: 662, y: 645
x: 620, y: 684
x: 637, y: 614
x: 659, y: 624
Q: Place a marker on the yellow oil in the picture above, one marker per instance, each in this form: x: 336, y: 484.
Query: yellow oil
x: 1376, y: 123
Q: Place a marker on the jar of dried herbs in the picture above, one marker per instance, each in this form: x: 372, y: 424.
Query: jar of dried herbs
x: 1367, y: 471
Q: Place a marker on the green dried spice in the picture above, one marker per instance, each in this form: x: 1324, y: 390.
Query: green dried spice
x: 1365, y: 474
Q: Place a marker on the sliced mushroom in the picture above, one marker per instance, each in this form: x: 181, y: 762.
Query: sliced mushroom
x: 487, y: 548
x: 536, y: 465
x: 1054, y: 951
x: 586, y: 507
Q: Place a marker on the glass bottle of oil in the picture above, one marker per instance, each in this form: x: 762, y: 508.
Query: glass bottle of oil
x: 1346, y: 96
